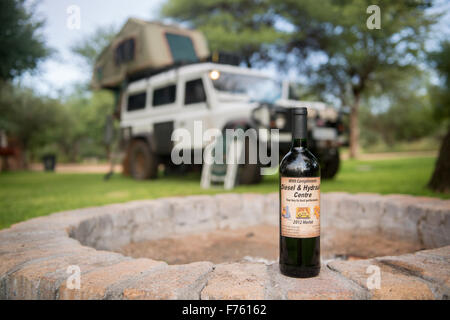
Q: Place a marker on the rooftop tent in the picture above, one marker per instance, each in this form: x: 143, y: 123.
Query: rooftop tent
x: 143, y: 47
x: 182, y: 48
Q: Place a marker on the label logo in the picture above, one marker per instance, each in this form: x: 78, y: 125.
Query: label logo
x: 285, y: 212
x: 303, y: 213
x: 317, y: 212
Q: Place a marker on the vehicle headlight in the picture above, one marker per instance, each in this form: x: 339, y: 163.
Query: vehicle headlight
x: 214, y: 75
x: 262, y: 116
x: 280, y: 122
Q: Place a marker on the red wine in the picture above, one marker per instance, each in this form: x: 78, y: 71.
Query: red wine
x: 299, y: 205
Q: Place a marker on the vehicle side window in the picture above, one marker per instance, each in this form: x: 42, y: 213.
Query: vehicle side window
x: 124, y: 52
x: 164, y: 95
x: 194, y: 92
x: 136, y: 101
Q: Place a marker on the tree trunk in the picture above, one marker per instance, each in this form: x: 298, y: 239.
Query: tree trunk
x: 440, y: 180
x: 354, y: 127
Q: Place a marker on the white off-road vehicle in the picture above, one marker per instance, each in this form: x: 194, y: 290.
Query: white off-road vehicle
x: 220, y: 96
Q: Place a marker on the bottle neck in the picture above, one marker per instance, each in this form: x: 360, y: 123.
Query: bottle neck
x: 299, y: 143
x: 300, y: 133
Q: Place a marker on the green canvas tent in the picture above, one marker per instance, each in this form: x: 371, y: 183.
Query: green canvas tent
x: 143, y: 47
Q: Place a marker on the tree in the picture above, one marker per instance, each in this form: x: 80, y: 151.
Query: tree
x: 94, y: 107
x: 74, y: 125
x: 440, y: 180
x: 90, y: 47
x: 22, y: 46
x: 346, y: 59
x: 399, y: 111
x: 28, y: 117
x: 83, y: 132
x: 327, y: 40
x: 243, y: 27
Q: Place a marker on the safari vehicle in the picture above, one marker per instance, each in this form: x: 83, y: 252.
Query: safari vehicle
x: 220, y: 96
x: 165, y: 78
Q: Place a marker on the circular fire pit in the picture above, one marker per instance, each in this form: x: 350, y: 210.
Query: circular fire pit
x: 225, y: 247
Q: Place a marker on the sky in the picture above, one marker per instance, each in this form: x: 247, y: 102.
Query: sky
x: 59, y: 73
x: 62, y: 70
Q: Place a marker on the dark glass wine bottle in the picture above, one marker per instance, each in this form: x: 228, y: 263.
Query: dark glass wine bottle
x: 299, y: 205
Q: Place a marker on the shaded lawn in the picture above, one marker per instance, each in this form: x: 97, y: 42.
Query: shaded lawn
x: 24, y: 195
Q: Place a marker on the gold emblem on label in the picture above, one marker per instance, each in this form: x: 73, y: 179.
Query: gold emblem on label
x: 303, y: 213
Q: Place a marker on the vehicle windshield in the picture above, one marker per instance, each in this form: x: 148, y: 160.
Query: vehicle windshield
x: 253, y: 88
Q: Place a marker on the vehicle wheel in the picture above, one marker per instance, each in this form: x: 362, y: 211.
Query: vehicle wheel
x: 330, y: 164
x: 143, y: 164
x: 249, y: 173
x: 126, y: 162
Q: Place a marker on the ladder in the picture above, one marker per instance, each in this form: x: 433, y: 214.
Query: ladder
x: 214, y: 174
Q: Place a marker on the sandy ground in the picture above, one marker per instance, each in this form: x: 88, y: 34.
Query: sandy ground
x: 218, y: 246
x: 259, y: 243
x: 392, y: 155
x: 105, y: 167
x: 78, y: 168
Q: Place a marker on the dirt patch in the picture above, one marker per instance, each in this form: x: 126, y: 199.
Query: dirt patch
x: 392, y: 155
x: 218, y: 246
x: 259, y: 242
x: 350, y: 246
x: 77, y: 168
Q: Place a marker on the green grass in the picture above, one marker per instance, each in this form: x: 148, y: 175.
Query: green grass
x: 24, y: 195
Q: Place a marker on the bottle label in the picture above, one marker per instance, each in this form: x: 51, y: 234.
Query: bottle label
x: 300, y: 207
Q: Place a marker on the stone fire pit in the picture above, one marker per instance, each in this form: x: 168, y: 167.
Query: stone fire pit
x: 407, y: 238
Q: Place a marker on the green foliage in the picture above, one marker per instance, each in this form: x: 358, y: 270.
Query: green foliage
x: 22, y: 47
x: 27, y: 116
x: 72, y: 129
x: 24, y: 195
x: 328, y: 41
x: 398, y: 111
x: 243, y: 27
x: 406, y: 120
x: 23, y: 114
x: 83, y: 134
x: 79, y: 132
x: 90, y: 47
x: 356, y: 58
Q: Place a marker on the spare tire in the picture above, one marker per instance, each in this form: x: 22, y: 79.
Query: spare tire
x: 142, y: 163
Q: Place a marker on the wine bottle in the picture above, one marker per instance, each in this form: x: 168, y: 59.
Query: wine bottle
x: 299, y: 205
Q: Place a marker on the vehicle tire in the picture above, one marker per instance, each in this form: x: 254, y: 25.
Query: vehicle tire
x: 330, y: 164
x: 143, y: 164
x: 249, y: 173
